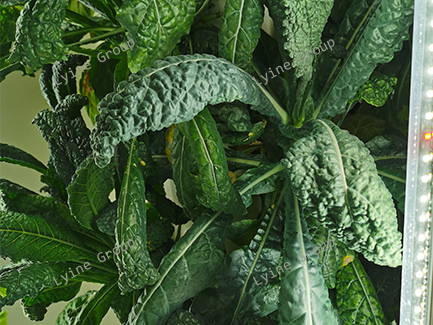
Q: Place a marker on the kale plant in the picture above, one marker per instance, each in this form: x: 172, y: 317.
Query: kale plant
x: 266, y: 171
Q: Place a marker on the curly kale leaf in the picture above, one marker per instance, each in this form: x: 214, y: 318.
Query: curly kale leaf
x: 217, y: 191
x: 46, y: 84
x: 156, y: 27
x: 299, y: 26
x: 336, y: 181
x: 373, y: 41
x: 240, y: 31
x: 38, y: 39
x: 174, y: 91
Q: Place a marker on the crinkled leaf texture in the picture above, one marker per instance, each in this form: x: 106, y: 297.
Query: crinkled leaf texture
x: 304, y: 295
x: 28, y: 280
x: 356, y: 298
x: 377, y: 89
x: 174, y: 91
x: 330, y: 259
x: 13, y: 155
x: 135, y: 267
x: 299, y: 26
x: 89, y: 190
x: 72, y: 311
x: 217, y: 191
x: 336, y: 181
x: 183, y: 317
x: 32, y: 238
x: 240, y: 31
x: 186, y: 270
x: 384, y: 34
x: 156, y: 27
x: 38, y: 39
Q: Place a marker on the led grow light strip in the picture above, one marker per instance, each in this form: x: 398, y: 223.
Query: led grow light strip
x: 416, y: 292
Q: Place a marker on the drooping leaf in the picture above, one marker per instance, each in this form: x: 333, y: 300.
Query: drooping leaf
x: 47, y: 87
x: 184, y: 175
x: 196, y: 80
x: 28, y: 280
x: 49, y: 242
x: 189, y: 268
x: 66, y: 69
x: 67, y: 137
x: 74, y: 308
x: 36, y: 308
x: 356, y: 298
x: 260, y: 180
x: 240, y: 31
x: 89, y: 190
x: 372, y: 42
x: 98, y: 305
x: 376, y: 90
x: 336, y: 181
x: 154, y: 25
x: 13, y: 155
x: 304, y: 295
x: 135, y: 267
x: 299, y: 27
x: 217, y: 191
x: 39, y: 33
x: 19, y: 199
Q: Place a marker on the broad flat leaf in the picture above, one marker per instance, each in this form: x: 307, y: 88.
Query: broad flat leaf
x: 184, y: 175
x: 32, y: 238
x: 304, y: 295
x: 336, y: 181
x: 174, y: 91
x: 98, y: 305
x: 240, y: 31
x: 376, y: 90
x: 370, y: 42
x: 28, y: 280
x: 36, y: 308
x: 39, y: 33
x: 299, y: 26
x: 187, y: 269
x: 135, y: 267
x: 13, y: 155
x: 330, y: 259
x: 258, y: 181
x: 74, y: 308
x: 156, y: 27
x: 217, y: 191
x: 89, y: 190
x: 16, y: 198
x: 356, y: 298
x: 249, y: 267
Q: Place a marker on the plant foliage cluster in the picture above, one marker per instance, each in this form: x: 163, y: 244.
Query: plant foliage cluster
x: 265, y: 173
